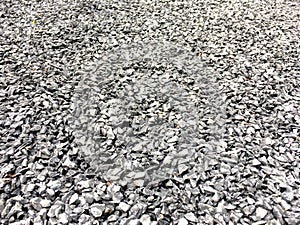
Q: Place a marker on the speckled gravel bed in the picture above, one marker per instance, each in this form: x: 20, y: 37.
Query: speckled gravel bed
x: 244, y: 172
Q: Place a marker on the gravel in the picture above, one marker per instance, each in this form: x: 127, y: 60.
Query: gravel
x: 143, y: 112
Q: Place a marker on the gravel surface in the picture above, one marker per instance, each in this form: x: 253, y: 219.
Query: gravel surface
x: 223, y: 139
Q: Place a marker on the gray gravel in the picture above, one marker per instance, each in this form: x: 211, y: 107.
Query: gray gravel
x: 250, y: 175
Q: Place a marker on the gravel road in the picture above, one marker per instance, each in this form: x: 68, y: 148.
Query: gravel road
x: 149, y: 112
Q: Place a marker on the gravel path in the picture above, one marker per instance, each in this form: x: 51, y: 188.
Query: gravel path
x: 150, y: 112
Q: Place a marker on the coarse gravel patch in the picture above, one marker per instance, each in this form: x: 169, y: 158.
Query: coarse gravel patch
x: 250, y: 50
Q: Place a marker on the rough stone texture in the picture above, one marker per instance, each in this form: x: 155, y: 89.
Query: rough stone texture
x: 250, y: 47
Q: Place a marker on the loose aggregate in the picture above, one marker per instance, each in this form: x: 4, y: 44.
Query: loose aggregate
x: 245, y: 172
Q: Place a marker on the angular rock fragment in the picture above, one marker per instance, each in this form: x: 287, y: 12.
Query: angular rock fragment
x: 260, y: 213
x: 191, y: 217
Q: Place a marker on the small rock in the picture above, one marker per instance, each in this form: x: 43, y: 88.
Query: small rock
x: 134, y: 222
x: 83, y: 184
x: 46, y: 104
x: 220, y: 207
x: 82, y: 200
x: 268, y: 141
x: 54, y: 184
x: 63, y: 218
x: 173, y: 139
x: 110, y: 134
x: 255, y: 162
x: 230, y: 206
x: 191, y: 217
x: 21, y: 222
x: 68, y: 163
x: 289, y: 196
x: 216, y: 197
x: 45, y: 203
x: 239, y: 117
x: 136, y: 209
x: 2, y: 204
x: 89, y: 197
x: 183, y: 221
x: 124, y: 207
x: 139, y: 183
x: 84, y: 219
x: 78, y: 210
x: 3, y: 182
x: 38, y: 220
x: 54, y: 211
x: 28, y: 188
x: 250, y: 130
x: 35, y: 128
x: 277, y: 212
x: 50, y: 192
x: 15, y: 209
x: 261, y: 222
x: 97, y: 209
x: 6, y: 209
x: 261, y: 213
x: 35, y: 203
x: 73, y: 198
x: 209, y: 189
x: 112, y: 218
x: 263, y: 160
x: 225, y: 168
x: 248, y: 210
x: 285, y: 206
x: 130, y: 71
x: 139, y: 175
x: 182, y: 168
x: 250, y: 200
x: 145, y: 220
x: 169, y: 184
